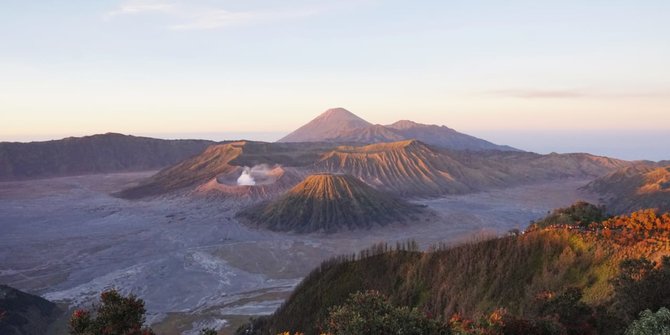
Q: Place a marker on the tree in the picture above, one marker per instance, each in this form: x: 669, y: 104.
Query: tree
x: 640, y: 285
x: 572, y: 313
x: 371, y: 313
x: 116, y: 315
x: 651, y: 323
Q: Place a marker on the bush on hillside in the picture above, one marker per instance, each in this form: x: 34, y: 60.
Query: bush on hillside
x: 116, y: 315
x: 641, y: 284
x: 580, y: 214
x: 371, y: 313
x: 651, y: 323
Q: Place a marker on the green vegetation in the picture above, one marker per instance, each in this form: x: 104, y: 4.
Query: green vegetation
x: 580, y: 214
x: 371, y: 313
x: 651, y: 323
x: 586, y: 277
x: 116, y: 315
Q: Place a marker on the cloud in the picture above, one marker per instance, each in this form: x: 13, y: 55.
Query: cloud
x: 221, y: 18
x: 139, y: 7
x: 541, y: 94
x: 191, y: 16
x: 573, y: 94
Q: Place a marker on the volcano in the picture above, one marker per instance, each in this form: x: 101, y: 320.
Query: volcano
x: 339, y: 125
x: 333, y: 123
x: 329, y: 203
x: 406, y: 168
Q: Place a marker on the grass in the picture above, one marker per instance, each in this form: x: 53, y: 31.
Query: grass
x: 473, y: 279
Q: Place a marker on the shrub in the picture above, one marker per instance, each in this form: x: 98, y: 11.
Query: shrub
x: 651, y: 323
x: 371, y: 313
x: 116, y: 315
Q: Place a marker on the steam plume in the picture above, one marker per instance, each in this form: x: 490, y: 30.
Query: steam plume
x: 246, y: 178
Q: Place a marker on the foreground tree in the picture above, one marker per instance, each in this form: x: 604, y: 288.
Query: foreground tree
x: 371, y: 313
x: 116, y: 315
x: 651, y: 323
x: 641, y: 284
x: 571, y: 312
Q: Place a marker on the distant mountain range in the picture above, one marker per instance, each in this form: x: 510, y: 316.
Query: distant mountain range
x: 341, y: 126
x: 404, y: 159
x: 635, y: 187
x: 222, y: 164
x: 406, y: 168
x: 92, y: 154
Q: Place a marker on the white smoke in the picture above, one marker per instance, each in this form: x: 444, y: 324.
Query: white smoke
x: 245, y: 178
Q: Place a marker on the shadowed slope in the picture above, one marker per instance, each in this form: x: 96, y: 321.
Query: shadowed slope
x: 92, y: 154
x: 25, y: 313
x: 328, y: 203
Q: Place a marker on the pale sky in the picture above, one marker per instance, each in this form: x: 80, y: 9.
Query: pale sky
x: 503, y: 70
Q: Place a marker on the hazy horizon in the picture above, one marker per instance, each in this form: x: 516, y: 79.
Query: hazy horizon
x: 617, y: 144
x: 541, y: 77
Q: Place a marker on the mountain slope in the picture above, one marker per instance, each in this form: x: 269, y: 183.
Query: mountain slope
x: 331, y: 124
x: 413, y: 168
x: 341, y: 126
x: 518, y: 273
x: 92, y: 154
x: 443, y: 136
x: 213, y: 161
x: 371, y: 134
x: 25, y: 314
x: 328, y: 203
x: 225, y: 162
x: 516, y: 168
x: 632, y: 188
x: 406, y: 167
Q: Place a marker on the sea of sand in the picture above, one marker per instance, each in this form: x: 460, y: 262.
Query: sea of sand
x: 67, y: 239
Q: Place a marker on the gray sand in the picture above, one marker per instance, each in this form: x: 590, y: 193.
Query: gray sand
x: 67, y: 239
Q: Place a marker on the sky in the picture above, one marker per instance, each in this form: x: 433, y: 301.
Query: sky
x: 564, y: 76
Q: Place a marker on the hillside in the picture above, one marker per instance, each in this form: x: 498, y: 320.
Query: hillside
x: 92, y: 154
x: 633, y: 188
x: 329, y: 203
x: 523, y: 167
x: 444, y: 137
x: 520, y: 273
x: 415, y: 169
x: 193, y: 171
x: 406, y: 168
x: 371, y: 134
x: 25, y: 314
x: 224, y: 163
x: 341, y: 126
